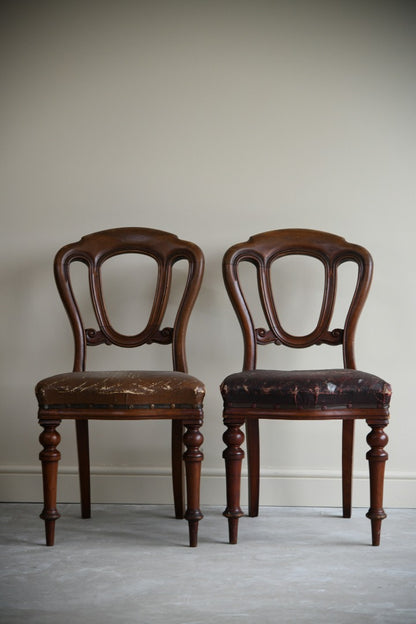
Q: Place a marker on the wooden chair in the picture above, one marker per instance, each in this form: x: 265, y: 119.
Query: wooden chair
x: 125, y: 395
x: 344, y: 393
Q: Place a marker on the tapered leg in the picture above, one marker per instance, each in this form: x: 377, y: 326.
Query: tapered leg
x: 177, y: 468
x: 377, y: 457
x: 233, y: 455
x: 253, y: 464
x: 84, y: 467
x: 347, y: 460
x: 193, y: 457
x: 50, y: 456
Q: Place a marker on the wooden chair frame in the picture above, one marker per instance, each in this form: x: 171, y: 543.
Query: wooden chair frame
x: 93, y: 250
x: 332, y: 251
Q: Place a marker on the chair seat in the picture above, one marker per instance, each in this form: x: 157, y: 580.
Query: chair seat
x: 307, y: 389
x: 120, y: 390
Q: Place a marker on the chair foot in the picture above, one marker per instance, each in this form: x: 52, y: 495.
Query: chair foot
x: 233, y: 530
x: 346, y: 512
x: 50, y: 531
x: 375, y: 527
x: 193, y: 533
x: 193, y: 518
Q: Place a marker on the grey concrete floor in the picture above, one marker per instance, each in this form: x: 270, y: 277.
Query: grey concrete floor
x: 131, y: 564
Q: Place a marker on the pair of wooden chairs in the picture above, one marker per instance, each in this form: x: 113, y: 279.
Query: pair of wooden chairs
x: 343, y: 393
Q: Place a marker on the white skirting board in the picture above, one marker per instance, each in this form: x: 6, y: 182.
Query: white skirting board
x: 150, y: 485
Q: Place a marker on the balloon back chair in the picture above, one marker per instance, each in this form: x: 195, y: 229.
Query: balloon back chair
x: 130, y: 394
x: 342, y: 393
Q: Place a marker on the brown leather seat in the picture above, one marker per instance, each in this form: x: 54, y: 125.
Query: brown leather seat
x: 312, y: 389
x: 131, y: 394
x: 121, y: 390
x: 346, y: 394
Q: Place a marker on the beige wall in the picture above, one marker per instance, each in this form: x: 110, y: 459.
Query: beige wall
x: 214, y: 120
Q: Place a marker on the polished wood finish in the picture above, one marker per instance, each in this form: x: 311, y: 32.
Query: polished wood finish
x: 177, y: 468
x: 193, y: 458
x: 262, y: 251
x: 347, y: 460
x: 50, y: 456
x: 377, y: 456
x: 83, y: 448
x: 233, y: 455
x: 156, y: 395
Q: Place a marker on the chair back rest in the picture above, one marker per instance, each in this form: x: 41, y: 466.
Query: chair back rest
x: 262, y: 250
x: 93, y: 250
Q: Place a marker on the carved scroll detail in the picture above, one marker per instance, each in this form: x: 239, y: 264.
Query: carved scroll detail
x: 163, y: 336
x: 334, y: 337
x: 264, y: 337
x: 95, y: 337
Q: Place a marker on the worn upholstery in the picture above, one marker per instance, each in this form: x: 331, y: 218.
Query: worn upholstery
x: 320, y: 389
x: 120, y: 389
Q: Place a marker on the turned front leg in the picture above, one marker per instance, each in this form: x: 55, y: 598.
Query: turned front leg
x: 50, y: 456
x: 233, y: 455
x: 193, y: 457
x: 377, y: 456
